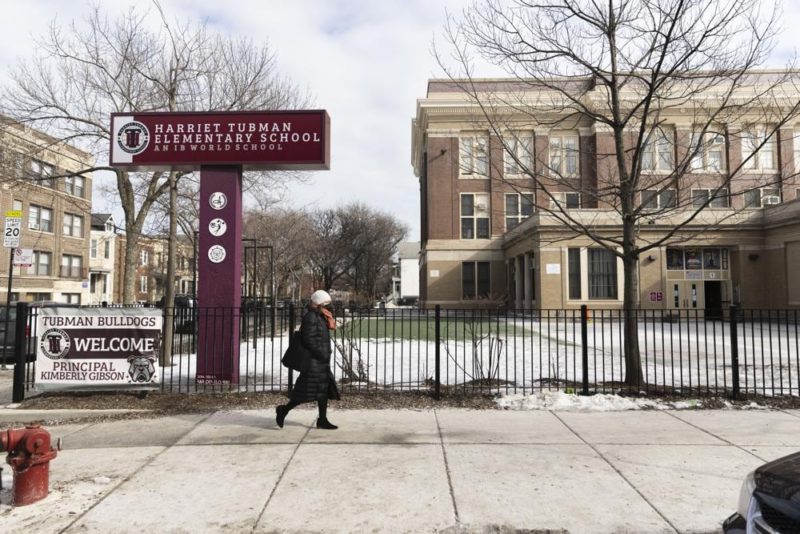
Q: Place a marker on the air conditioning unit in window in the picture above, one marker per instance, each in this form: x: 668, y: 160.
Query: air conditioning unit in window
x: 480, y: 206
x: 717, y: 140
x: 771, y: 199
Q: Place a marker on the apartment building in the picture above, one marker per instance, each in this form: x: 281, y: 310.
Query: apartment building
x: 405, y: 273
x: 151, y: 268
x: 103, y: 245
x: 55, y: 207
x: 493, y: 237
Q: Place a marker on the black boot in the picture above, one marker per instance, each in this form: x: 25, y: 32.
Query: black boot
x: 322, y: 420
x: 326, y: 425
x: 280, y: 414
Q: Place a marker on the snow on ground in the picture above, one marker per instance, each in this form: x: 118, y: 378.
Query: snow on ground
x: 569, y: 402
x: 526, y: 355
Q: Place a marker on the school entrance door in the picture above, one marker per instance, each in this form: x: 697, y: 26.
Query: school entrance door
x: 704, y: 296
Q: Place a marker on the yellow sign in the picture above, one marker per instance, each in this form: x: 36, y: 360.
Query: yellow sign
x: 14, y: 213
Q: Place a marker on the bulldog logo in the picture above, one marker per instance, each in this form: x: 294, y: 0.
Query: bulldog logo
x: 142, y: 368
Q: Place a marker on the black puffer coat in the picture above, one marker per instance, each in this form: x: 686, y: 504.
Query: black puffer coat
x: 318, y: 382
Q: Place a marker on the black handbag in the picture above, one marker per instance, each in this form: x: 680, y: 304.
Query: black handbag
x: 297, y: 357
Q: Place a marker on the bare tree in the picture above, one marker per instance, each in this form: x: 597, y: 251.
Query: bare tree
x: 84, y: 73
x: 288, y: 232
x: 666, y: 82
x: 352, y: 244
x: 370, y: 274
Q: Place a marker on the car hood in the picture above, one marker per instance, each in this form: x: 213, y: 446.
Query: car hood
x: 778, y: 484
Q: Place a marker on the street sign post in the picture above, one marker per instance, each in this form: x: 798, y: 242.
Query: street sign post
x: 13, y: 229
x: 11, y: 236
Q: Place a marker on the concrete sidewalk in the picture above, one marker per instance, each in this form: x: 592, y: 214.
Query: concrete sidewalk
x: 406, y: 471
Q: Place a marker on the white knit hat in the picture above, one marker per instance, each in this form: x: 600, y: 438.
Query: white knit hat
x: 320, y: 297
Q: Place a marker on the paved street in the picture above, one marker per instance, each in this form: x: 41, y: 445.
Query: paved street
x: 405, y: 471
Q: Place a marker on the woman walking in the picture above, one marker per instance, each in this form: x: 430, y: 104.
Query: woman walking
x: 316, y: 384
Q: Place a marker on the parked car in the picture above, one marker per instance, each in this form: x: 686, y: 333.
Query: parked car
x: 8, y: 341
x: 769, y: 501
x: 185, y: 310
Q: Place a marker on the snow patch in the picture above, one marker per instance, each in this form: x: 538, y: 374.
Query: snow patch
x: 568, y: 402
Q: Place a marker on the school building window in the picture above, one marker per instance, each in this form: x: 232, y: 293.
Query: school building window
x: 473, y: 156
x: 565, y: 200
x: 574, y: 266
x: 564, y: 155
x: 518, y: 155
x: 602, y: 274
x: 696, y: 258
x: 719, y: 198
x: 601, y: 278
x: 658, y: 152
x: 475, y: 280
x: 653, y: 199
x: 758, y: 149
x: 474, y: 216
x: 519, y: 206
x: 760, y: 197
x: 708, y: 152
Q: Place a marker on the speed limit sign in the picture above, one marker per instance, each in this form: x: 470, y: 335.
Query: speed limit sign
x: 13, y: 229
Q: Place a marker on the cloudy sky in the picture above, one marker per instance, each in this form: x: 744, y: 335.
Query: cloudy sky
x: 365, y: 61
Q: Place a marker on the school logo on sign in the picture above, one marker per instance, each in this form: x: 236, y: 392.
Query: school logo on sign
x: 54, y: 343
x: 133, y: 137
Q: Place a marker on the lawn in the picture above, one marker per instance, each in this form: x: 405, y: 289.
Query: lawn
x: 424, y: 328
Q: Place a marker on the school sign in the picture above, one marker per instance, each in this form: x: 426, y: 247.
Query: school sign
x: 259, y: 140
x: 221, y: 145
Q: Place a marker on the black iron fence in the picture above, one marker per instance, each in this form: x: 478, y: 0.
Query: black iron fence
x: 680, y: 352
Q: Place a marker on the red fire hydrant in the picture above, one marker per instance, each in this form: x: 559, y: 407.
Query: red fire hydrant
x: 29, y: 455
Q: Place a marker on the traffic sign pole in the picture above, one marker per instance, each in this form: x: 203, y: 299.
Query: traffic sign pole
x: 8, y: 307
x: 11, y: 240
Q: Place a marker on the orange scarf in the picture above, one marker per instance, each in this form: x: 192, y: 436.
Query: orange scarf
x: 328, y: 316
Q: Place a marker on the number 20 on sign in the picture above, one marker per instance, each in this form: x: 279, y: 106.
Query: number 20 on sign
x: 12, y: 230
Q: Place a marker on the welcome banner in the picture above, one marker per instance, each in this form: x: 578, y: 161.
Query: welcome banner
x: 86, y: 348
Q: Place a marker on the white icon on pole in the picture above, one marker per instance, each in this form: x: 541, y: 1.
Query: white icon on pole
x: 217, y: 227
x: 218, y: 200
x: 217, y: 253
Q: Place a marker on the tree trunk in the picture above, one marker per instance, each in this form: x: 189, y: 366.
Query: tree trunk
x: 169, y: 279
x: 129, y: 263
x: 630, y: 261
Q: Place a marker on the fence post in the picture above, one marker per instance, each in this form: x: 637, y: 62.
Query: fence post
x: 734, y: 311
x: 438, y: 354
x: 585, y: 348
x: 20, y: 346
x: 291, y: 333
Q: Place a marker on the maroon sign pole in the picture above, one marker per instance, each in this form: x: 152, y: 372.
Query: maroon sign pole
x: 220, y: 261
x: 221, y: 145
